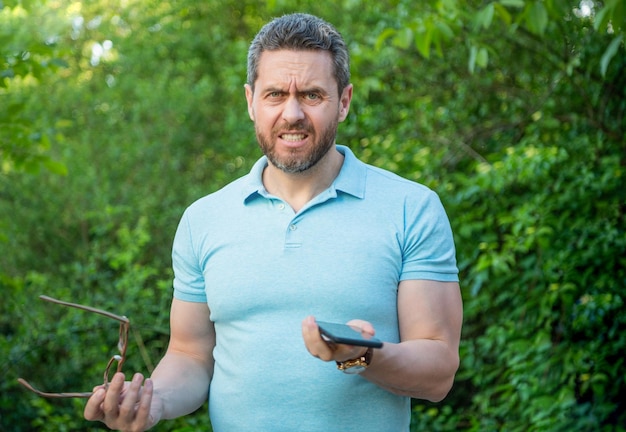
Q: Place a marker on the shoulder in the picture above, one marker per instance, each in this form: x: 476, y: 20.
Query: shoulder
x: 391, y: 188
x: 225, y: 197
x: 364, y: 180
x: 389, y: 179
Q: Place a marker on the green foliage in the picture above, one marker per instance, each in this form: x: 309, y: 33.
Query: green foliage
x: 512, y: 110
x: 460, y: 21
x: 542, y: 239
x: 28, y: 54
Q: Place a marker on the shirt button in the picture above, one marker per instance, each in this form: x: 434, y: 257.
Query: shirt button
x: 281, y: 206
x: 293, y: 227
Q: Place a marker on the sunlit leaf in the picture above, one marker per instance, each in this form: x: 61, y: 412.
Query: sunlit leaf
x: 403, y: 38
x: 382, y: 38
x: 422, y: 41
x: 55, y: 167
x: 482, y: 58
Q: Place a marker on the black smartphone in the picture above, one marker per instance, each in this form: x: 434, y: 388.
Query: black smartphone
x: 344, y: 334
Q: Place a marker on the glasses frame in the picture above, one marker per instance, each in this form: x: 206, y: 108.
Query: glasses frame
x: 120, y: 358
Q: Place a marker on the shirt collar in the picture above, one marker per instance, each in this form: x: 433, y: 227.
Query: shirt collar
x: 351, y: 178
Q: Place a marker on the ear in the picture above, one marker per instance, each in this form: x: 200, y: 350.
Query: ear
x: 249, y: 98
x: 344, y: 102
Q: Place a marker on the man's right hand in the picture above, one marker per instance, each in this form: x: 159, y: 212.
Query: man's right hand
x: 125, y: 406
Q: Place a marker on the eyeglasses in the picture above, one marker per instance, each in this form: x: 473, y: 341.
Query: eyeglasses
x: 118, y: 358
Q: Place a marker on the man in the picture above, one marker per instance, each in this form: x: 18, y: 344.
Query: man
x: 311, y: 233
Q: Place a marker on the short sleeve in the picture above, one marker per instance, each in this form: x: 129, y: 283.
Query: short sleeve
x: 188, y: 276
x: 429, y: 251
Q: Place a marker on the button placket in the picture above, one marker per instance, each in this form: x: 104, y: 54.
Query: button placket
x: 292, y: 236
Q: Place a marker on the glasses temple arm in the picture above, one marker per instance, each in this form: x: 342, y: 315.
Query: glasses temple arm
x: 26, y: 384
x: 86, y: 308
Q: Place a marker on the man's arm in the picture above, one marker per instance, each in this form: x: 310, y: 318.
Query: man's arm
x: 179, y: 384
x: 424, y: 363
x: 182, y: 377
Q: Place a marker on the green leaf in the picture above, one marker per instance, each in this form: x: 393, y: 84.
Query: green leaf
x: 602, y: 18
x: 444, y: 30
x: 503, y: 13
x: 472, y: 59
x: 62, y: 63
x: 484, y: 17
x: 479, y: 57
x: 613, y: 13
x: 513, y: 3
x: 386, y: 34
x: 55, y: 167
x: 610, y: 53
x: 441, y: 32
x: 482, y: 58
x: 422, y: 41
x: 403, y: 38
x: 537, y: 18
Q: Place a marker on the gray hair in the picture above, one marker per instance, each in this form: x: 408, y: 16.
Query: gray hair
x: 300, y: 31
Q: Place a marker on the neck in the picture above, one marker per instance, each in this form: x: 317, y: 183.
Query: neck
x: 299, y: 188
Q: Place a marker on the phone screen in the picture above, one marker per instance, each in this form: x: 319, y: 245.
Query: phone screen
x: 344, y: 334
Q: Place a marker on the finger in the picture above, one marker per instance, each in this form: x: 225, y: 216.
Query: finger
x: 92, y: 410
x: 127, y: 408
x: 311, y: 333
x: 309, y: 329
x: 145, y: 403
x: 98, y: 387
x: 363, y: 327
x: 113, y: 395
x: 314, y: 342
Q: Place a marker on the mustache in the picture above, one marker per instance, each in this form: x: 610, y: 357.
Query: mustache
x: 294, y: 127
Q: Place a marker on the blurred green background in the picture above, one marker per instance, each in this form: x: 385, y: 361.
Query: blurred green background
x: 115, y: 115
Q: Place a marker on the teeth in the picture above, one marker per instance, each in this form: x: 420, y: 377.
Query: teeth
x: 293, y: 137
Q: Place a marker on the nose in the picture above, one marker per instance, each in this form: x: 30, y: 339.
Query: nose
x: 292, y: 112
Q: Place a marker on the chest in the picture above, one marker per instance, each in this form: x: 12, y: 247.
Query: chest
x: 321, y: 262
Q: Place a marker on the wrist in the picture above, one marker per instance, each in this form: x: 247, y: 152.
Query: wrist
x: 358, y: 364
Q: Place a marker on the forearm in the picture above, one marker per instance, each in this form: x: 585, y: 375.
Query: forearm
x: 422, y: 369
x: 182, y: 382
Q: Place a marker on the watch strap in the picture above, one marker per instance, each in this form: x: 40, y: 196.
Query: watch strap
x: 356, y: 365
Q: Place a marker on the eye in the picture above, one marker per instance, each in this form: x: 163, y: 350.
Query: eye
x: 312, y: 96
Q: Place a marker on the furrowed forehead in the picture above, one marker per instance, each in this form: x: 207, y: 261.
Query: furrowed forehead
x: 307, y: 69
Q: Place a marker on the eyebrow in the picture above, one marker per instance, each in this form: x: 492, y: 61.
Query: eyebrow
x: 313, y: 89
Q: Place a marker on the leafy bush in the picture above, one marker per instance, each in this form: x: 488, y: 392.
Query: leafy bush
x: 512, y: 114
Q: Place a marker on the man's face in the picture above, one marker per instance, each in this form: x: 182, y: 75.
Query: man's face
x: 296, y: 107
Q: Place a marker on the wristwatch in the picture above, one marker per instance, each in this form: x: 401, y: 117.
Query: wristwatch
x: 356, y: 365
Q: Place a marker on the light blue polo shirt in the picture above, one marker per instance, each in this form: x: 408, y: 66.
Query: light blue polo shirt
x: 262, y: 268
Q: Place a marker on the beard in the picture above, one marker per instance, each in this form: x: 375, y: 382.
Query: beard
x: 298, y: 160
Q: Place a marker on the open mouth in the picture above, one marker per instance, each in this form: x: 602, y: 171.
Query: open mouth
x: 293, y: 137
